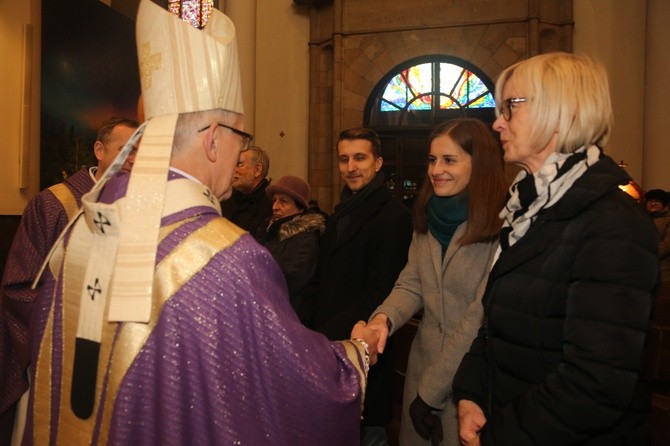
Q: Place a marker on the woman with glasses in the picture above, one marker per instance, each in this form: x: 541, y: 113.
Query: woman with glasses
x: 568, y: 300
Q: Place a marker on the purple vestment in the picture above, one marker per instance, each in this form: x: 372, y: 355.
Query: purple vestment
x: 43, y: 220
x: 225, y: 360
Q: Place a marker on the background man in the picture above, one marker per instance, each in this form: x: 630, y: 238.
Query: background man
x: 43, y: 220
x: 111, y: 138
x: 363, y: 250
x: 656, y: 202
x: 162, y: 322
x: 249, y: 206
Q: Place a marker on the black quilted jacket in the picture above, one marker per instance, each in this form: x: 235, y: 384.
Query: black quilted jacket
x: 567, y: 307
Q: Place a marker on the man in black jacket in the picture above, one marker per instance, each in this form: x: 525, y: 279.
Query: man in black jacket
x: 249, y: 206
x: 363, y: 250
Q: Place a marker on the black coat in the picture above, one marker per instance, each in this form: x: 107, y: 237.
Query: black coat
x: 567, y: 307
x: 355, y: 274
x: 294, y: 244
x: 250, y: 212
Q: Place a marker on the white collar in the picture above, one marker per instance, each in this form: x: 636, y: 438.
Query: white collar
x: 92, y: 171
x: 187, y: 175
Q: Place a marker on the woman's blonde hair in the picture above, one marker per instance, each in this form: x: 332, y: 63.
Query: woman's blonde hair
x: 568, y: 94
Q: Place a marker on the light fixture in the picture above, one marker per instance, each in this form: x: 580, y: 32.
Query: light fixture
x: 631, y: 188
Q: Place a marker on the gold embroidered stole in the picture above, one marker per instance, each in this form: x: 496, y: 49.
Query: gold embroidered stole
x: 66, y: 198
x: 356, y: 355
x: 118, y: 349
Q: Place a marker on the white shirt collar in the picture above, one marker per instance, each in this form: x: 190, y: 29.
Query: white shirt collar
x: 92, y: 171
x: 187, y: 175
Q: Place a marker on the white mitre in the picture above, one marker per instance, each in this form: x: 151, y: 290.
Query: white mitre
x: 183, y: 69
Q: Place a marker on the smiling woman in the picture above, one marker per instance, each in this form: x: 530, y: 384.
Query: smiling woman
x: 449, y: 167
x: 456, y: 226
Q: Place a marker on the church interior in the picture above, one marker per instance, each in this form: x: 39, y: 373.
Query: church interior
x: 311, y: 68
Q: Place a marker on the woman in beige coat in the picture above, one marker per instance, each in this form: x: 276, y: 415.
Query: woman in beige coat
x: 456, y: 227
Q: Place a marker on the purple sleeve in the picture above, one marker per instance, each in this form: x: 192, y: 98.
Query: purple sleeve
x: 41, y: 223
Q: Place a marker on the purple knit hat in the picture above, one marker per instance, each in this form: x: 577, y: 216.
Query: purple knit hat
x: 294, y: 187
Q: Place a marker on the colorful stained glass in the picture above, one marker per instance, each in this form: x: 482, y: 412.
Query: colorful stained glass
x: 408, y: 89
x: 466, y: 89
x: 195, y: 12
x: 456, y: 87
x: 174, y: 6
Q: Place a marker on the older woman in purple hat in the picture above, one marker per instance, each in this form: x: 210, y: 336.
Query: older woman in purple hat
x: 293, y: 235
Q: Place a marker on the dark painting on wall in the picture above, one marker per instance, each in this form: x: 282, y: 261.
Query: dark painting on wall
x: 89, y: 74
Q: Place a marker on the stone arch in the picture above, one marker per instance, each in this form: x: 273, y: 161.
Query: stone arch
x: 367, y: 59
x: 442, y: 85
x: 368, y: 39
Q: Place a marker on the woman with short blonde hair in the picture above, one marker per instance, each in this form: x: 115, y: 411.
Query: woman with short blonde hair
x: 569, y: 297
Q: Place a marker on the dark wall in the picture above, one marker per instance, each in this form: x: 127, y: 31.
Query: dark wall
x: 8, y: 225
x: 129, y: 7
x: 89, y: 74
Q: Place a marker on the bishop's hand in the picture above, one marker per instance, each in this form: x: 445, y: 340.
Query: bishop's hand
x: 368, y: 335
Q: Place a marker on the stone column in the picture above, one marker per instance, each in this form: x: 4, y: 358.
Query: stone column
x: 613, y: 33
x: 656, y: 155
x: 243, y: 15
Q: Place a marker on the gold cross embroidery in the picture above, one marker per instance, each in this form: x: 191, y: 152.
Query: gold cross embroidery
x: 150, y: 63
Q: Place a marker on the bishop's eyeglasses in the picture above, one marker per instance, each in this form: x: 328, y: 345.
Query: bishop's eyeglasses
x: 506, y: 107
x: 245, y: 138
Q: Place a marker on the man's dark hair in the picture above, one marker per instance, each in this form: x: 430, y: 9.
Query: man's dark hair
x: 658, y: 194
x: 108, y: 126
x: 363, y: 133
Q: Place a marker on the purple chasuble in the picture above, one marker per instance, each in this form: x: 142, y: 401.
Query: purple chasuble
x: 43, y: 220
x: 225, y: 361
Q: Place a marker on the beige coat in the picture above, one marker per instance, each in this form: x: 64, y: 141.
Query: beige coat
x: 449, y: 290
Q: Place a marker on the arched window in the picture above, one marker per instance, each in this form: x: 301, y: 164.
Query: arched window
x: 195, y: 12
x: 429, y: 90
x: 410, y: 101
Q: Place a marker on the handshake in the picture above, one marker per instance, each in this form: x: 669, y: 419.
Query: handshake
x: 374, y: 334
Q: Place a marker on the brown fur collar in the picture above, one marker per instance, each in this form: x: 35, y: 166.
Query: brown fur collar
x: 302, y: 223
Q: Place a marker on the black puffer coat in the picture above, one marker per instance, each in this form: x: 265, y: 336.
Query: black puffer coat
x: 566, y: 314
x: 294, y: 243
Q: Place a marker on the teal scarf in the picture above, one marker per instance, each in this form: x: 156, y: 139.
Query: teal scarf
x: 445, y: 214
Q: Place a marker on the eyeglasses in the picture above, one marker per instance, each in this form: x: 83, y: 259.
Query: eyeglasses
x: 506, y: 107
x: 246, y: 138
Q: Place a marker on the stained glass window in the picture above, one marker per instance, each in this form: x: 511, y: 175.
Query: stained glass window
x: 195, y: 12
x: 416, y: 87
x: 426, y: 91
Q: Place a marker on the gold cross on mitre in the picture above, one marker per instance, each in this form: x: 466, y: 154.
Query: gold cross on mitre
x: 149, y: 63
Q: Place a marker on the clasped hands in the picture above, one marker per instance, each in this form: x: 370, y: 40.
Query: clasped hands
x: 375, y: 333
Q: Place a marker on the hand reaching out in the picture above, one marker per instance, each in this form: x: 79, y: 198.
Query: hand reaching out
x: 471, y: 420
x: 379, y: 323
x: 371, y: 337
